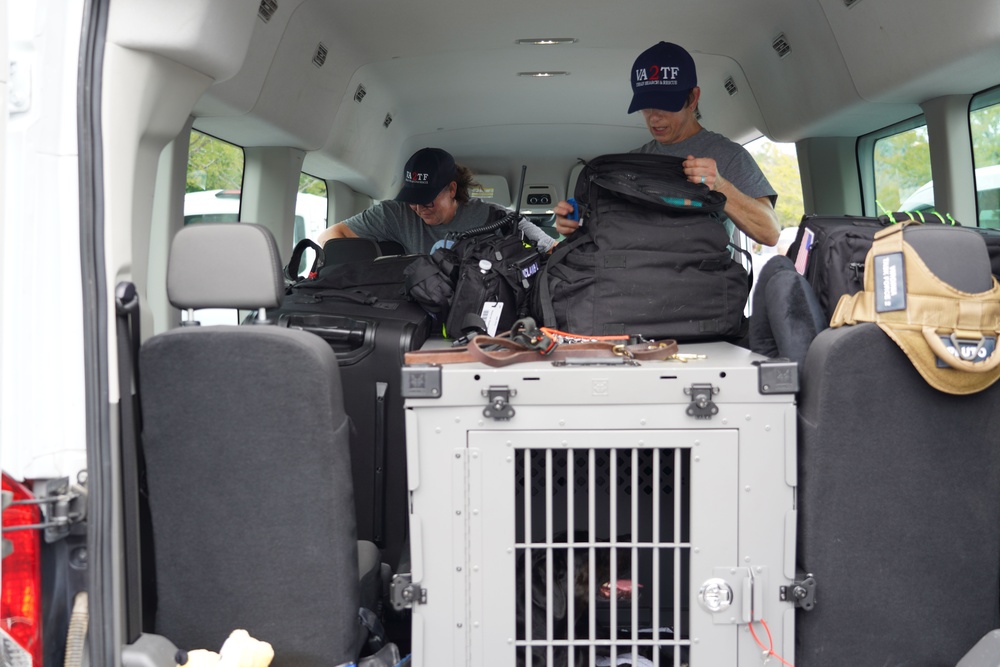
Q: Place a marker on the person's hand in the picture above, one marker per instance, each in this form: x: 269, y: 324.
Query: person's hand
x: 702, y: 170
x: 564, y: 225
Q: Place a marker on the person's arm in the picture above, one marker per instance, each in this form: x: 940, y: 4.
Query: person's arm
x: 337, y: 231
x: 534, y: 233
x: 755, y: 217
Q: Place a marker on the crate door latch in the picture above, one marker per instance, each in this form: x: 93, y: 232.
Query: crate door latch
x: 499, y: 397
x: 701, y: 406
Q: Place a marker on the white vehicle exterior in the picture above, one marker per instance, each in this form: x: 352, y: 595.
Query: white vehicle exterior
x: 224, y: 206
x: 987, y: 192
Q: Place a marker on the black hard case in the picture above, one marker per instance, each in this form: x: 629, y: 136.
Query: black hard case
x: 370, y: 340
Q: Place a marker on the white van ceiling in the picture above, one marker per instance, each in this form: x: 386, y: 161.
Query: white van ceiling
x: 445, y: 73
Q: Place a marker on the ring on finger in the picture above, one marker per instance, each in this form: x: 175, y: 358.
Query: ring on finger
x: 703, y: 180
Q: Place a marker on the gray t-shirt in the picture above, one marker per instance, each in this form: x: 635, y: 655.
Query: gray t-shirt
x: 734, y: 162
x: 395, y: 221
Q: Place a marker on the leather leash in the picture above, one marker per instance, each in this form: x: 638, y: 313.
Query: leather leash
x: 497, y: 351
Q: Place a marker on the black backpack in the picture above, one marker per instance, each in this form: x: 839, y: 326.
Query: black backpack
x: 830, y: 251
x: 480, y: 284
x: 651, y: 257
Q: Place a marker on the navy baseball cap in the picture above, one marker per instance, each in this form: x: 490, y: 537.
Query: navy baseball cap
x: 426, y: 173
x: 662, y: 77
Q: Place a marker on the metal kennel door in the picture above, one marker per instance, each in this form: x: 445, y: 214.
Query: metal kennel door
x: 586, y: 544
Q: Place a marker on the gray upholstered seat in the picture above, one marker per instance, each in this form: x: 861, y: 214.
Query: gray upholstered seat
x: 246, y: 444
x: 899, y: 508
x: 899, y: 494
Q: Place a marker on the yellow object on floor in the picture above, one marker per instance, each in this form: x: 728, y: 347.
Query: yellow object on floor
x: 239, y: 650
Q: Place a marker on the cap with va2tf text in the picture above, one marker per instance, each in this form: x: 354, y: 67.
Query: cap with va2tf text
x: 426, y: 173
x: 662, y: 77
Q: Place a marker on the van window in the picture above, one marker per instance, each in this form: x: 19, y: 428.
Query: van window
x: 212, y: 194
x: 902, y: 163
x: 984, y: 121
x: 780, y: 165
x: 310, y: 207
x: 214, y: 179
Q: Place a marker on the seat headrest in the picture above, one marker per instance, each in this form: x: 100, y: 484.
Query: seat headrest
x: 956, y: 255
x: 224, y: 265
x: 924, y: 287
x: 493, y: 189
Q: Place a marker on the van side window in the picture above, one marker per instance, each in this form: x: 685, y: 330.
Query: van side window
x: 984, y: 121
x: 780, y: 165
x: 214, y: 180
x: 212, y: 194
x: 310, y: 207
x: 902, y: 164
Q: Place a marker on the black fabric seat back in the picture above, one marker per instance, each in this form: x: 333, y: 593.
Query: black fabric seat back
x: 899, y: 508
x: 346, y: 250
x: 786, y: 314
x: 248, y: 465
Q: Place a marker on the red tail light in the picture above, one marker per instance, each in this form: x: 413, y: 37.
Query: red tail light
x: 20, y: 603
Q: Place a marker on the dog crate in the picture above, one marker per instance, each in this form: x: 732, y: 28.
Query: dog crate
x: 602, y: 514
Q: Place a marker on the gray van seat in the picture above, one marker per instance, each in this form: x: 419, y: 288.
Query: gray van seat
x: 494, y: 189
x: 248, y: 465
x: 899, y: 508
x: 899, y: 492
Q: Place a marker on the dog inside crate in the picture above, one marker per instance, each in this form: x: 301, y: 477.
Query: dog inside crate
x: 596, y: 612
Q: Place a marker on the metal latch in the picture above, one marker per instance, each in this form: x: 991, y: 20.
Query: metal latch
x: 499, y: 397
x: 801, y: 594
x: 403, y: 593
x: 734, y: 595
x: 701, y: 406
x: 62, y: 504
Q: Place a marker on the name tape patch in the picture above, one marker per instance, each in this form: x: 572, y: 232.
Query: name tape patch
x: 969, y: 350
x: 890, y: 283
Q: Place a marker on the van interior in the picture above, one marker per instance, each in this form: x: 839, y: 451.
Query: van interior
x: 155, y: 118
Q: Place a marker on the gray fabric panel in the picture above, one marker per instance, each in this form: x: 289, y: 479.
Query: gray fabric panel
x: 939, y: 246
x: 224, y: 265
x: 250, y: 491
x: 899, y: 508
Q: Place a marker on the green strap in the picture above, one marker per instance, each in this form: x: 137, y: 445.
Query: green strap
x: 888, y: 214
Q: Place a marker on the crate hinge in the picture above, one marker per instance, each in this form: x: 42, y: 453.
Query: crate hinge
x: 801, y: 594
x: 403, y: 593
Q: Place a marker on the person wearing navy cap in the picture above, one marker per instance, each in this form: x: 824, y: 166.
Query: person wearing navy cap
x: 665, y: 89
x: 433, y: 202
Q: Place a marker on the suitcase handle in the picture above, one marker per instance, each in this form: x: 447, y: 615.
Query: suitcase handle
x: 357, y: 296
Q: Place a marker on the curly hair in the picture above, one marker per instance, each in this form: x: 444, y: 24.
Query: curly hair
x: 465, y: 180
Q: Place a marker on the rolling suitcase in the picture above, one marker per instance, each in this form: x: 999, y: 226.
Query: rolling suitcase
x: 370, y: 337
x: 568, y: 512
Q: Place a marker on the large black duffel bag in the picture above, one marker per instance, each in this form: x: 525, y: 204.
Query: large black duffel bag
x: 830, y: 251
x: 651, y: 257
